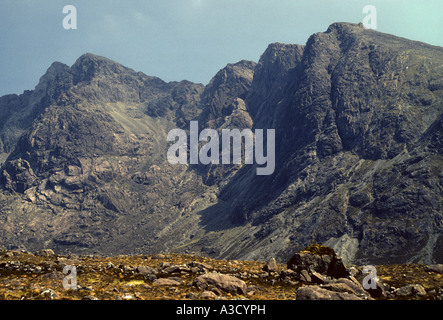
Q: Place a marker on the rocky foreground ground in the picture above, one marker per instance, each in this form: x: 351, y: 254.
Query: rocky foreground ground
x: 315, y: 273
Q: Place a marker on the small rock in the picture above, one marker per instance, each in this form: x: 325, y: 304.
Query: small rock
x: 89, y: 297
x: 145, y: 270
x: 224, y: 282
x: 200, y: 265
x: 176, y: 269
x: 411, y: 290
x: 45, y: 253
x: 319, y: 293
x: 89, y: 288
x: 37, y: 269
x: 353, y: 271
x: 217, y: 291
x: 164, y: 265
x: 287, y: 273
x: 49, y: 294
x: 207, y: 295
x: 438, y: 268
x: 165, y: 282
x: 196, y: 270
x: 317, y: 278
x: 150, y: 277
x: 73, y: 256
x: 304, y: 276
x: 55, y: 275
x: 191, y: 295
x: 271, y: 266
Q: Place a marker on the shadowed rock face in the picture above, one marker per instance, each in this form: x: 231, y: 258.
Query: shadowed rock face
x: 357, y: 115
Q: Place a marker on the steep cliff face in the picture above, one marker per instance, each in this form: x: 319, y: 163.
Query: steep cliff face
x: 351, y: 119
x: 86, y: 169
x: 358, y: 122
x: 219, y: 97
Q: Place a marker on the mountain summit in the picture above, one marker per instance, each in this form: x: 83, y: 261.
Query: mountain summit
x: 358, y: 121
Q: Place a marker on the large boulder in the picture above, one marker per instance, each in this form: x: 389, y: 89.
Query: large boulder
x: 438, y: 268
x: 320, y: 259
x: 319, y: 293
x: 411, y: 290
x: 338, y: 289
x: 223, y: 282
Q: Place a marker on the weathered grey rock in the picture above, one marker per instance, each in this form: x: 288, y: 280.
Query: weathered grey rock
x: 201, y: 266
x: 145, y: 270
x: 288, y: 273
x: 165, y: 282
x: 49, y: 294
x: 176, y: 269
x: 45, y: 253
x: 304, y: 276
x: 336, y: 289
x: 224, y: 282
x: 353, y: 284
x: 150, y: 277
x: 55, y: 275
x: 317, y: 278
x: 411, y: 290
x: 271, y: 266
x: 319, y: 293
x: 191, y: 295
x: 438, y: 268
x: 326, y: 263
x: 207, y: 295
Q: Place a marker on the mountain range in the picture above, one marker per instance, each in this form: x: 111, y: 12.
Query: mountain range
x: 358, y: 125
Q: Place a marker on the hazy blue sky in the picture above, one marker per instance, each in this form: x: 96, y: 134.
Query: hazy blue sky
x: 183, y: 39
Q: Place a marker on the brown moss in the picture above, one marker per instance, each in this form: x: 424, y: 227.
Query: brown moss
x: 319, y: 249
x: 111, y: 283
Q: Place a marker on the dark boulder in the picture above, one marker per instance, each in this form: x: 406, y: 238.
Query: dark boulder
x: 319, y: 259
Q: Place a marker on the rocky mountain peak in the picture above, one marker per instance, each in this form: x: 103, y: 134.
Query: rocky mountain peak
x: 230, y: 83
x: 90, y: 65
x: 357, y: 116
x: 340, y: 27
x: 272, y: 75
